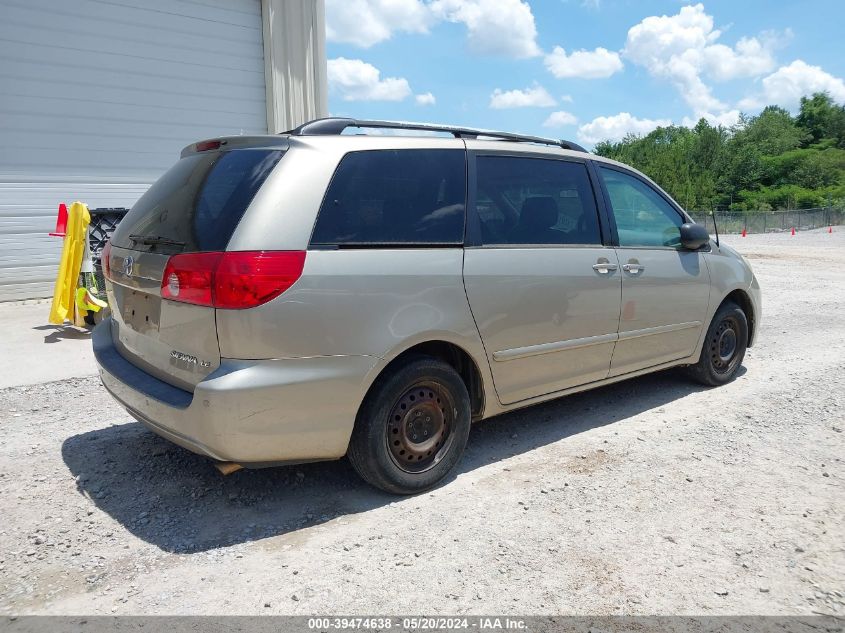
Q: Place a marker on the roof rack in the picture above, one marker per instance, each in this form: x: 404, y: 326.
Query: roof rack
x: 336, y: 125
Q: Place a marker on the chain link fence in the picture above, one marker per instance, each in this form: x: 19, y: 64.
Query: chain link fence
x: 770, y: 221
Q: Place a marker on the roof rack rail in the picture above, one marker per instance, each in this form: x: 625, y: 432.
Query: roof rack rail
x: 336, y: 125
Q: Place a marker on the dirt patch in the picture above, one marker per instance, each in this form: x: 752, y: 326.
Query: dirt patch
x: 587, y: 463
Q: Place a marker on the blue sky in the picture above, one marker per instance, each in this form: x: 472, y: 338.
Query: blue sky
x: 585, y: 70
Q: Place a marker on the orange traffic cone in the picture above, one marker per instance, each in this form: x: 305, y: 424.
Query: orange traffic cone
x: 743, y: 232
x: 793, y: 230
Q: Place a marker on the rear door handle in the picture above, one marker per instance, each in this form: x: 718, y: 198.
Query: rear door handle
x: 634, y: 269
x: 604, y: 268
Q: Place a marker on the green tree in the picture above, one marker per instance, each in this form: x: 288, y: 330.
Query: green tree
x: 821, y: 118
x: 773, y: 131
x: 769, y: 161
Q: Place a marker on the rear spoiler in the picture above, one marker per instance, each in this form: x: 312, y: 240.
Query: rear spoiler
x: 235, y: 142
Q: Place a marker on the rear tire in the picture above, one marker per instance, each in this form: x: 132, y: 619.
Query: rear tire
x: 412, y: 428
x: 724, y: 347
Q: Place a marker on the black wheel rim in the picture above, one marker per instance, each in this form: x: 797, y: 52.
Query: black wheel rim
x: 724, y: 346
x: 421, y: 427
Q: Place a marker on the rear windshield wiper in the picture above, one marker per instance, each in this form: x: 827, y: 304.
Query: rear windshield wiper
x: 153, y: 240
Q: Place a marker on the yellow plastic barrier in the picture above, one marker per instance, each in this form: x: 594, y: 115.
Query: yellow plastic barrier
x: 64, y: 294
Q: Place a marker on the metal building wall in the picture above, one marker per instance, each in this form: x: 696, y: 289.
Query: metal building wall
x: 295, y: 50
x: 98, y: 98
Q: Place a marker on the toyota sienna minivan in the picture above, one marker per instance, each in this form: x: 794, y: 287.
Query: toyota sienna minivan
x: 320, y: 293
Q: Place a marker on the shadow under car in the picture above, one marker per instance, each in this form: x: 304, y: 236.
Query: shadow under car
x: 177, y: 501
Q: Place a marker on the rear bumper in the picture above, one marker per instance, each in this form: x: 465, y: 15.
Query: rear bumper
x: 254, y: 412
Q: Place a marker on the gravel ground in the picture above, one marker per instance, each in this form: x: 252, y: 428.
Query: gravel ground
x: 650, y: 496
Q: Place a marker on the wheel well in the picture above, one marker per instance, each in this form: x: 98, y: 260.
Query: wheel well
x: 744, y: 301
x: 460, y: 361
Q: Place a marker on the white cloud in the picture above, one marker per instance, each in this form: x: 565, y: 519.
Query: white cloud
x: 560, y: 119
x: 368, y: 22
x: 750, y: 58
x: 584, y: 64
x: 566, y: 98
x: 356, y: 80
x: 683, y: 49
x: 496, y: 27
x: 425, y: 99
x: 615, y: 128
x: 530, y: 97
x: 788, y: 84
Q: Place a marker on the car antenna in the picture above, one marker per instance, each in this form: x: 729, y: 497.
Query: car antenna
x: 715, y: 227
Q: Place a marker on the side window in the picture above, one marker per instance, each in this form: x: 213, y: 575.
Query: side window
x: 643, y: 217
x: 535, y: 201
x: 382, y: 197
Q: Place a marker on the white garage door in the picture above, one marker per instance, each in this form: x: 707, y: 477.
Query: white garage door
x: 97, y: 97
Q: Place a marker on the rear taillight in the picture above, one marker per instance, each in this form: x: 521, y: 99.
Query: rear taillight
x: 230, y: 280
x: 105, y: 256
x: 189, y: 278
x: 247, y: 279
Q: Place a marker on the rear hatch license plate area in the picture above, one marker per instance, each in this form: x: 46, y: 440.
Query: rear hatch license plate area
x: 139, y: 311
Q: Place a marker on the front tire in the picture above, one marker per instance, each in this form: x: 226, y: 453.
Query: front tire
x: 412, y: 428
x: 724, y: 347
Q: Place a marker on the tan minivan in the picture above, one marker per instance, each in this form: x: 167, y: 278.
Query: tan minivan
x: 315, y: 294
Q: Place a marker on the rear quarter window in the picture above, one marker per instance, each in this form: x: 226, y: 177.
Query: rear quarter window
x: 197, y: 203
x: 394, y: 197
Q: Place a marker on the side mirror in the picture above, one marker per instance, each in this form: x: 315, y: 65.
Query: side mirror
x: 694, y: 236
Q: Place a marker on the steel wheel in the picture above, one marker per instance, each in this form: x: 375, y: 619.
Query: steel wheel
x: 724, y: 345
x: 420, y: 427
x: 412, y: 427
x: 723, y: 348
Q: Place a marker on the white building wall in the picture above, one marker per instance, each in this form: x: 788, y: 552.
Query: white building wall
x: 98, y: 98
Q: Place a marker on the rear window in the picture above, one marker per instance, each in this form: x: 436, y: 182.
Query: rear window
x: 197, y: 203
x: 401, y: 197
